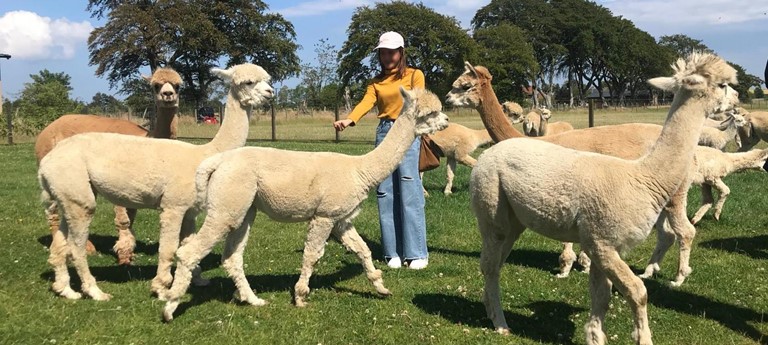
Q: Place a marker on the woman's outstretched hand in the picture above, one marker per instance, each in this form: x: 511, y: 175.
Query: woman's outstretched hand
x: 342, y: 124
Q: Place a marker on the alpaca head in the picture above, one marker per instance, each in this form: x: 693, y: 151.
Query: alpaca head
x: 513, y: 111
x: 704, y: 75
x: 249, y: 83
x: 165, y: 84
x: 425, y: 108
x: 532, y: 121
x: 466, y: 89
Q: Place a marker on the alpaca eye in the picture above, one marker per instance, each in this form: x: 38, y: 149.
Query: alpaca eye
x: 466, y: 87
x: 157, y: 87
x: 723, y: 85
x: 248, y: 82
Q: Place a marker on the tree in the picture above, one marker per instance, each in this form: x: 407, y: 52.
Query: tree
x: 434, y: 43
x: 683, y: 45
x: 45, y: 99
x: 505, y: 52
x: 322, y: 73
x: 102, y: 103
x: 759, y: 93
x: 190, y: 36
x: 746, y: 82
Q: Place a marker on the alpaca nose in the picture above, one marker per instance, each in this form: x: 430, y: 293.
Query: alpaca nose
x: 167, y: 93
x: 270, y: 92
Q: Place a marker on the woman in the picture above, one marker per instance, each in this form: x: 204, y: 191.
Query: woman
x: 400, y: 198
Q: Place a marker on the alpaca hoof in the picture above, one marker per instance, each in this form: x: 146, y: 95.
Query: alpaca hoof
x: 717, y: 217
x: 503, y: 331
x: 384, y: 292
x: 125, y: 260
x: 90, y: 249
x: 99, y: 296
x: 68, y: 293
x: 168, y: 310
x: 562, y: 275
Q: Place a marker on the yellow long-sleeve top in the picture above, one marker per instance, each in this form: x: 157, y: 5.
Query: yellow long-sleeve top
x: 384, y: 92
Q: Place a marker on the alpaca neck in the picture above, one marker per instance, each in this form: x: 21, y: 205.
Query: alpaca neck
x: 669, y: 160
x: 543, y: 127
x: 379, y: 163
x: 493, y: 116
x: 234, y: 129
x: 744, y: 160
x: 166, y: 123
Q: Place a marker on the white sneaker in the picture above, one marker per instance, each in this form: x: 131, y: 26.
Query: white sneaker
x: 418, y: 264
x: 394, y: 262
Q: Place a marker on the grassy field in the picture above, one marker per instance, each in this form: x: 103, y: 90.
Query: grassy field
x: 724, y: 301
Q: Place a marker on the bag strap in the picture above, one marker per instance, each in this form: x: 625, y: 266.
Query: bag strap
x: 412, y: 75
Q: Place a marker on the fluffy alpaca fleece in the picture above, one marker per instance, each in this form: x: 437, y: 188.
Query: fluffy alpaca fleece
x: 457, y: 143
x: 165, y: 83
x: 607, y: 204
x: 322, y: 188
x: 712, y: 166
x: 513, y: 110
x: 627, y: 141
x: 754, y: 130
x: 721, y: 133
x: 156, y: 174
x: 536, y: 124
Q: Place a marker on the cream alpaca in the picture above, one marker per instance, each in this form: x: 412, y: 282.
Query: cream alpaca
x: 536, y: 124
x: 586, y: 197
x: 294, y: 186
x: 165, y: 83
x: 627, y: 141
x: 457, y: 143
x: 157, y: 174
x: 724, y: 132
x: 754, y: 130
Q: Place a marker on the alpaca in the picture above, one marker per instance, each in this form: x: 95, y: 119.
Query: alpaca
x: 719, y: 135
x: 754, y: 130
x: 513, y: 110
x: 627, y: 141
x: 712, y: 166
x: 292, y: 186
x: 607, y: 204
x: 165, y: 83
x: 156, y: 174
x: 457, y: 143
x: 536, y: 124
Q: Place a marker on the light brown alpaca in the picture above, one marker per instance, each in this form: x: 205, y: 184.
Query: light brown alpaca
x: 165, y: 83
x: 513, y: 110
x: 607, y: 204
x: 457, y: 142
x: 628, y: 141
x: 536, y: 124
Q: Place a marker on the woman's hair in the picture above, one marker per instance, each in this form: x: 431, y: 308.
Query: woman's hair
x: 401, y: 66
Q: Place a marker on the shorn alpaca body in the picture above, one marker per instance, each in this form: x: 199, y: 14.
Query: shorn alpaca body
x: 165, y: 83
x: 627, y: 141
x: 712, y: 166
x: 156, y: 174
x: 607, y: 204
x: 457, y: 143
x: 536, y: 124
x: 724, y: 132
x: 291, y: 186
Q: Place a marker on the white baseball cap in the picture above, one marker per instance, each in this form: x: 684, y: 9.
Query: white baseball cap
x: 390, y: 40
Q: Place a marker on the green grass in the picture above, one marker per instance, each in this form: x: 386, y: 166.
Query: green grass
x: 724, y: 301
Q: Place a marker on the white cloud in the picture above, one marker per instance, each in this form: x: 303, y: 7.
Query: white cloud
x: 319, y: 7
x: 687, y: 13
x: 27, y: 35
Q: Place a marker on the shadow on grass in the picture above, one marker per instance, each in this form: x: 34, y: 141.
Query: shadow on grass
x: 538, y: 259
x: 104, y: 244
x: 755, y: 247
x: 459, y: 310
x: 733, y: 317
x: 222, y: 288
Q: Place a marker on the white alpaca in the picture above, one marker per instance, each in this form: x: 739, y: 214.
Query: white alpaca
x: 457, y: 142
x: 755, y: 130
x: 719, y: 134
x: 607, y: 204
x: 138, y: 173
x: 712, y: 166
x: 536, y: 124
x: 325, y: 189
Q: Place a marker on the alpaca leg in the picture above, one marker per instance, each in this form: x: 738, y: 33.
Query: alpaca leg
x: 724, y: 191
x: 567, y: 258
x: 424, y: 190
x: 170, y: 229
x: 314, y: 246
x: 677, y: 226
x: 59, y: 252
x: 450, y: 168
x: 497, y: 244
x: 584, y: 261
x: 630, y: 286
x: 348, y: 236
x: 232, y: 260
x: 664, y: 240
x: 126, y: 241
x: 78, y: 219
x: 188, y: 227
x: 52, y: 214
x: 706, y: 203
x: 600, y: 294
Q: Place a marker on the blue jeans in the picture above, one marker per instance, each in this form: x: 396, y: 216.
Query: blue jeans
x: 401, y: 205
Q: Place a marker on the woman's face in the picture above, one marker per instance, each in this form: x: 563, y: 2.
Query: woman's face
x: 389, y: 58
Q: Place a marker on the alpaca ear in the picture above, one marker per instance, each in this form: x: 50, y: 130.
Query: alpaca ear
x: 469, y: 68
x: 404, y: 93
x: 225, y: 74
x: 695, y: 81
x: 663, y: 83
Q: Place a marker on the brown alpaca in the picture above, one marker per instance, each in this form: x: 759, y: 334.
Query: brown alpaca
x: 165, y: 83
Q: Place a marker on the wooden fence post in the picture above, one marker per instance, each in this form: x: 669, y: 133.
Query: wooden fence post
x: 274, y: 129
x: 591, y: 113
x: 336, y: 118
x: 9, y: 126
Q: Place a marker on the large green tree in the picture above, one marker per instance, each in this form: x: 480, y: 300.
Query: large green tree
x: 44, y: 99
x: 190, y: 36
x: 746, y: 82
x: 682, y: 45
x: 435, y: 43
x: 509, y: 57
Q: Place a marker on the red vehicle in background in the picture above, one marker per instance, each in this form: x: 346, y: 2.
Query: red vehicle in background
x: 207, y: 116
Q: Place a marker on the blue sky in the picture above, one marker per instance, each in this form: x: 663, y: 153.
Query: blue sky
x: 53, y: 34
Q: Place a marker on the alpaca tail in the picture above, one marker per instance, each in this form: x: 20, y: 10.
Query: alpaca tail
x: 202, y: 176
